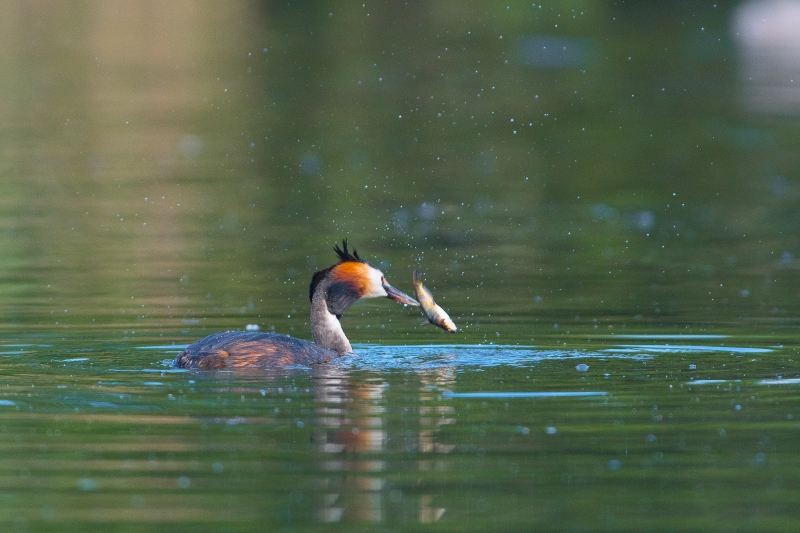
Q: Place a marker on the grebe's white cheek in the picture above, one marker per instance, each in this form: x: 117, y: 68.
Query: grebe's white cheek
x: 375, y: 288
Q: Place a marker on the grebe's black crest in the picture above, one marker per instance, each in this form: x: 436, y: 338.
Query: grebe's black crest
x: 344, y: 255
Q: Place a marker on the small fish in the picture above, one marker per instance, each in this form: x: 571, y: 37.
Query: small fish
x: 435, y: 314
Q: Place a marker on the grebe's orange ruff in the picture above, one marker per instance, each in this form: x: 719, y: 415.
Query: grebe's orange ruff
x: 332, y: 291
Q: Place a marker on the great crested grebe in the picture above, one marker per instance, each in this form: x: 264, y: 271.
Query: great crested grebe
x: 332, y: 291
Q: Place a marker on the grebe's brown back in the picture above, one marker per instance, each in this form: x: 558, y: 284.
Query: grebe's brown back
x: 332, y: 291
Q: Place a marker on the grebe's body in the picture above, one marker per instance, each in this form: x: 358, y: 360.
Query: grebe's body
x: 241, y: 349
x: 332, y: 291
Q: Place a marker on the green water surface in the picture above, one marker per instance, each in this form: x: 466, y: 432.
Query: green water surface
x: 603, y: 195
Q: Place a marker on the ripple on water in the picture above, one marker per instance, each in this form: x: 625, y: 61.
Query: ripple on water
x: 713, y: 381
x: 683, y: 348
x: 789, y: 381
x: 165, y: 347
x: 671, y: 336
x: 497, y: 395
x: 375, y: 357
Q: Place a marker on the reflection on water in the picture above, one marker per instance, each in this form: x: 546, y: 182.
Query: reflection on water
x: 351, y: 425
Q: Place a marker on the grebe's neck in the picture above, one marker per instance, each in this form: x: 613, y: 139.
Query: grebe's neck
x: 326, y: 329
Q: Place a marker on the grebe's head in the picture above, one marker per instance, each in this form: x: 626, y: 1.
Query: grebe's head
x: 351, y: 279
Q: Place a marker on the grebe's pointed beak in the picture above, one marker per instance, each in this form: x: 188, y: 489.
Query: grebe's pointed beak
x: 398, y: 296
